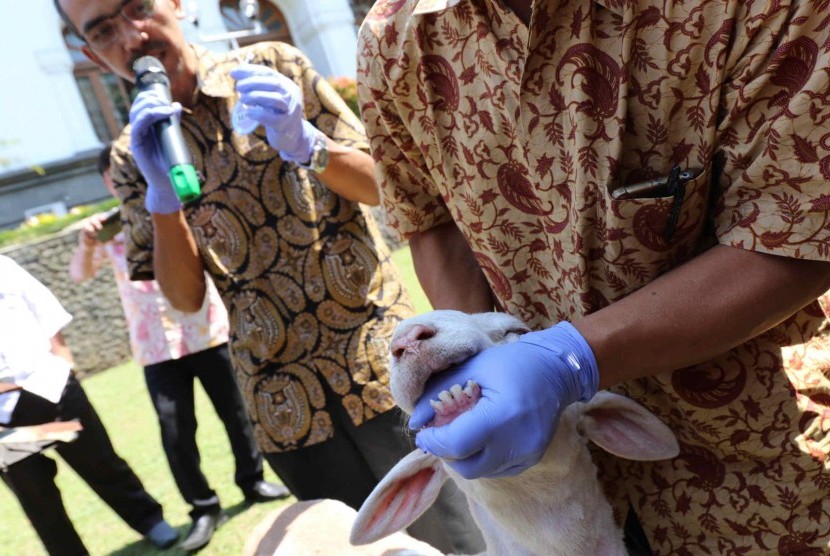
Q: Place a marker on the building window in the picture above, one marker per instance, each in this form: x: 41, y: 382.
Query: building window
x: 105, y: 95
x: 360, y: 9
x: 274, y: 27
x: 106, y: 99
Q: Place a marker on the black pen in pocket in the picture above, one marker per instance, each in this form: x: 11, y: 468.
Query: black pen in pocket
x: 655, y: 187
x: 673, y: 185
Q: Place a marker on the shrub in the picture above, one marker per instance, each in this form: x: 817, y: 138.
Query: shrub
x: 45, y: 224
x: 346, y: 88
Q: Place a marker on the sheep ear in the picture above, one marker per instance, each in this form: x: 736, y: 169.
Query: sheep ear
x: 407, y: 491
x: 626, y: 429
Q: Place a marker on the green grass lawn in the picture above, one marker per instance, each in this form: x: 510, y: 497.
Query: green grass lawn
x: 121, y: 398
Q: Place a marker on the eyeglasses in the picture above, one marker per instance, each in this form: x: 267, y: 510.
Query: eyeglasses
x: 103, y: 31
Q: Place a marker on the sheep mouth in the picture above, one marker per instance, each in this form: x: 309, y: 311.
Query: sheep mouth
x: 453, y: 402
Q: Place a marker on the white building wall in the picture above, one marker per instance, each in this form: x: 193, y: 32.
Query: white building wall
x: 42, y: 115
x: 324, y: 30
x: 208, y: 23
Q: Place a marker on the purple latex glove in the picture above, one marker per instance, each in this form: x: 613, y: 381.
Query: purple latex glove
x: 525, y: 385
x: 276, y: 102
x: 147, y: 109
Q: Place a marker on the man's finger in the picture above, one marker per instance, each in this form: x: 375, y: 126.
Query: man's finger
x: 277, y: 102
x: 460, y: 439
x: 262, y: 83
x: 243, y: 71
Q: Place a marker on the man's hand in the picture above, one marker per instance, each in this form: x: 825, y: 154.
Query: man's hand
x: 88, y: 236
x: 147, y: 109
x: 275, y: 101
x: 525, y: 385
x: 84, y: 264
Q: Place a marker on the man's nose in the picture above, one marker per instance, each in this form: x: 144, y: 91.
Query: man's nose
x: 131, y: 33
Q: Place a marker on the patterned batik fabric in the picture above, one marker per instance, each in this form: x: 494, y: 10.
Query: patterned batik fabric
x: 520, y: 133
x: 309, y: 285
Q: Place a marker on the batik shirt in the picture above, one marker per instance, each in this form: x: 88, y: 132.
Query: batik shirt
x: 520, y: 134
x: 310, y: 289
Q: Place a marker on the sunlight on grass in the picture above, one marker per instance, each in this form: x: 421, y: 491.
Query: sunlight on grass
x: 120, y: 396
x: 403, y: 261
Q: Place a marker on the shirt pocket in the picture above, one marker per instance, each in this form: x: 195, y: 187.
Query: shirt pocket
x: 637, y: 244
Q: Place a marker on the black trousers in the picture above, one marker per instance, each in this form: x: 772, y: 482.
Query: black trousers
x: 348, y: 466
x: 170, y: 384
x: 92, y: 456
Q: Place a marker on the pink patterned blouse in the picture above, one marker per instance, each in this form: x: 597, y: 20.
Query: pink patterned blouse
x: 158, y: 332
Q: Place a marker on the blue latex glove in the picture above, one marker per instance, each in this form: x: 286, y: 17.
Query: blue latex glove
x: 525, y: 385
x: 276, y: 102
x: 148, y: 108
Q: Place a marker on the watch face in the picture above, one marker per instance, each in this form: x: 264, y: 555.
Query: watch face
x: 320, y: 155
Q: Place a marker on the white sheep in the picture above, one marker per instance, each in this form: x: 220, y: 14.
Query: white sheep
x: 321, y: 528
x: 554, y: 507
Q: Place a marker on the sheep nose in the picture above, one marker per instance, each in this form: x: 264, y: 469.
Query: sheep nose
x: 410, y: 339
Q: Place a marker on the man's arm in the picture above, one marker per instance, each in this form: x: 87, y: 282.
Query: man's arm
x: 84, y: 263
x: 177, y: 266
x: 60, y: 348
x: 701, y: 309
x: 351, y: 174
x: 276, y: 102
x: 176, y: 263
x: 448, y: 271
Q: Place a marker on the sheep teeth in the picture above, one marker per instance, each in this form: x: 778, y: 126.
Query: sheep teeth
x: 469, y: 388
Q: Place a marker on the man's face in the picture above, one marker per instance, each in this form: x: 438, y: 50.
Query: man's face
x: 158, y: 35
x: 106, y: 177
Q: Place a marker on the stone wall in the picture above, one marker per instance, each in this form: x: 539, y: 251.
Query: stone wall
x: 98, y: 333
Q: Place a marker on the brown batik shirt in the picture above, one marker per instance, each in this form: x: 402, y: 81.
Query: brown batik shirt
x: 311, y: 292
x: 520, y: 133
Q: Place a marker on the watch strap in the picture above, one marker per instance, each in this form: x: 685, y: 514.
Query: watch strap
x: 319, y: 154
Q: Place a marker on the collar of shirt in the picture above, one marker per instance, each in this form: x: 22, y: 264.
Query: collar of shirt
x: 432, y: 6
x: 212, y: 73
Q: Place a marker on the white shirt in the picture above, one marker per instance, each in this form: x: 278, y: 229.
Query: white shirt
x: 30, y: 315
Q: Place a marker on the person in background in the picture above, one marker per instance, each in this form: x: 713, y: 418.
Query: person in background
x: 34, y: 356
x: 282, y: 228
x: 175, y: 349
x: 646, y: 185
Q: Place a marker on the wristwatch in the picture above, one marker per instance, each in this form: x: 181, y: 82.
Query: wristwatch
x: 319, y: 155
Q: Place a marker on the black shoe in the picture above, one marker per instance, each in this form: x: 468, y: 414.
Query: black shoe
x: 202, y: 530
x: 263, y: 491
x: 162, y: 535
